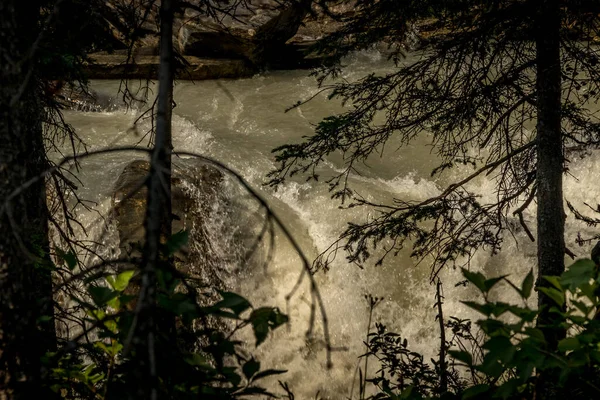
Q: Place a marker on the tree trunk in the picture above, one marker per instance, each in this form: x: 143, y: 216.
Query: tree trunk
x: 550, y: 212
x: 153, y: 323
x: 25, y: 268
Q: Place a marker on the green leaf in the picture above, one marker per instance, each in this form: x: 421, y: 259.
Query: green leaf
x: 580, y: 272
x: 557, y: 296
x: 166, y: 280
x: 71, y: 260
x: 492, y: 368
x: 121, y: 281
x: 490, y: 283
x: 101, y: 295
x: 527, y: 285
x: 499, y: 308
x: 111, y: 325
x: 524, y: 313
x: 578, y: 358
x: 535, y: 334
x: 234, y: 302
x: 554, y: 281
x: 115, y: 303
x: 525, y: 370
x: 476, y: 278
x: 583, y: 307
x: 407, y: 393
x: 231, y: 375
x: 463, y: 356
x: 508, y: 389
x: 97, y: 314
x: 269, y: 372
x: 68, y: 258
x: 112, y: 349
x: 494, y: 327
x: 500, y: 348
x: 260, y: 326
x: 474, y: 391
x: 177, y: 241
x: 277, y: 318
x: 197, y: 360
x: 589, y: 290
x: 578, y: 319
x: 486, y: 309
x: 595, y: 356
x: 218, y: 313
x: 254, y: 390
x: 569, y: 344
x: 250, y: 368
x: 43, y: 319
x: 264, y: 319
x: 178, y: 304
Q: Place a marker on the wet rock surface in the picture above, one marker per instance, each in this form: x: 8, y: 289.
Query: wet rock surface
x: 83, y: 99
x: 195, y: 189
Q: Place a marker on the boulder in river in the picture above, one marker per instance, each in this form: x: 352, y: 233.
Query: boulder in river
x: 195, y: 190
x: 196, y: 196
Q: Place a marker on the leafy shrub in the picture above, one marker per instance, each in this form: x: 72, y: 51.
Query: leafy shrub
x: 100, y: 363
x: 514, y: 351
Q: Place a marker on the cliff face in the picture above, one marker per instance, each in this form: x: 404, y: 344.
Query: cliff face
x: 215, y: 39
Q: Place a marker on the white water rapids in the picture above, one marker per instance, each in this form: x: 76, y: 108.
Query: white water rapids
x: 239, y: 122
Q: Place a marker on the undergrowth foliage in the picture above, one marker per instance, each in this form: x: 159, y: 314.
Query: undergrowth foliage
x: 513, y: 353
x: 198, y: 358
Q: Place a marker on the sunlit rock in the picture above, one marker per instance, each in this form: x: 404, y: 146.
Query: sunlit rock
x: 194, y: 189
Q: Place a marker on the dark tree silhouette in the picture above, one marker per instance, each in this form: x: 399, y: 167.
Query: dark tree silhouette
x: 26, y: 311
x: 153, y: 325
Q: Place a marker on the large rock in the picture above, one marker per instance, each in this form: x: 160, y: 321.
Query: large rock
x: 212, y: 41
x: 195, y: 190
x: 261, y: 34
x: 240, y: 45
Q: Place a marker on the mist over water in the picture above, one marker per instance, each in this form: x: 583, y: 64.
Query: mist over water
x: 239, y: 122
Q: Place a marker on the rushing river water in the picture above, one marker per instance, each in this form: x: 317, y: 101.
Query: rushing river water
x: 239, y: 123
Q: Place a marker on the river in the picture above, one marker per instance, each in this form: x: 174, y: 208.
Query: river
x: 239, y: 122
